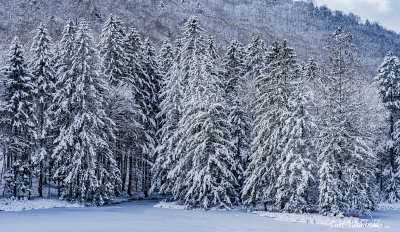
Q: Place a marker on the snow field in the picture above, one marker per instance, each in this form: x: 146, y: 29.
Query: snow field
x: 14, y: 205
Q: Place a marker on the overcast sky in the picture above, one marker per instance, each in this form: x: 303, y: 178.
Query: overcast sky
x: 386, y: 12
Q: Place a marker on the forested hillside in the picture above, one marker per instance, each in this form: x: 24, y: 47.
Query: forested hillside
x: 268, y: 105
x: 302, y: 23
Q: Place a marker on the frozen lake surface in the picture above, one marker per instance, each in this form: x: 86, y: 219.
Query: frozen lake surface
x: 142, y: 216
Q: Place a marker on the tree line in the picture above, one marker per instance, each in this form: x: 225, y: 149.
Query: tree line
x: 255, y: 126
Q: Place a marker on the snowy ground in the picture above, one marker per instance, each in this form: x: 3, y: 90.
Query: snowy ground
x: 20, y: 205
x: 142, y: 216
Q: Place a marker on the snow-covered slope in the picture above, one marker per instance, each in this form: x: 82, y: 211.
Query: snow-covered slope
x: 304, y: 25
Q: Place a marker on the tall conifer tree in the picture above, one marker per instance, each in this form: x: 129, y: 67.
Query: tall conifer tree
x: 62, y: 104
x: 92, y: 174
x: 18, y: 122
x: 171, y: 97
x: 388, y: 82
x: 345, y: 159
x: 296, y: 174
x: 42, y: 69
x: 270, y: 112
x: 234, y: 86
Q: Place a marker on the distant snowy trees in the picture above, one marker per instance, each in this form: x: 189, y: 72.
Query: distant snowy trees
x: 253, y: 126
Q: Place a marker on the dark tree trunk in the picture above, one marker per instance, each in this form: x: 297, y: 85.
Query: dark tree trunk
x: 40, y: 186
x: 130, y: 170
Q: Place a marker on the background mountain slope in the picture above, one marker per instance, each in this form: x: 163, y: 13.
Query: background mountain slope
x: 304, y: 25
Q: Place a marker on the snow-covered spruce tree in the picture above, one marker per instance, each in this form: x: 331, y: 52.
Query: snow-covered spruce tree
x: 18, y: 122
x: 150, y: 88
x: 171, y: 97
x: 190, y: 54
x: 255, y: 52
x: 254, y: 63
x: 313, y: 89
x: 111, y: 48
x: 154, y: 77
x: 210, y: 181
x: 43, y: 74
x: 388, y: 82
x: 233, y: 68
x: 346, y: 162
x: 134, y: 52
x: 371, y: 124
x: 165, y: 58
x: 360, y: 190
x: 335, y: 140
x: 52, y: 131
x: 271, y: 113
x: 122, y: 107
x: 202, y: 176
x: 296, y: 160
x: 239, y: 149
x: 92, y: 174
x: 61, y: 106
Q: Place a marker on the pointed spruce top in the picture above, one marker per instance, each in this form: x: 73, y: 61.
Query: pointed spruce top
x: 15, y: 47
x: 42, y: 38
x: 113, y: 24
x: 192, y: 27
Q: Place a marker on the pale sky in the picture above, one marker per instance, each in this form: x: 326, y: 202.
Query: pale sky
x: 386, y: 12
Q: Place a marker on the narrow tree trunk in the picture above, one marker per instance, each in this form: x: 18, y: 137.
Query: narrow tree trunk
x: 15, y: 181
x: 136, y: 175
x: 144, y: 179
x: 130, y: 170
x: 40, y: 186
x: 123, y: 171
x: 58, y: 188
x: 49, y: 180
